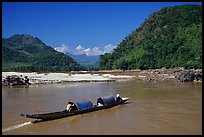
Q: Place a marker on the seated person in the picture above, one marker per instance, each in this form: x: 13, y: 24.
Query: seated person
x: 99, y: 104
x: 118, y: 98
x: 71, y: 107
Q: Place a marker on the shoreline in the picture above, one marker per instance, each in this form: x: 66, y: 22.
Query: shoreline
x: 151, y: 75
x: 47, y: 78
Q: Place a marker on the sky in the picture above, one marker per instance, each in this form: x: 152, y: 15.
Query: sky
x: 90, y: 28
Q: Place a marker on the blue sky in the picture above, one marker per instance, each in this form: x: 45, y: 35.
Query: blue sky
x: 70, y: 24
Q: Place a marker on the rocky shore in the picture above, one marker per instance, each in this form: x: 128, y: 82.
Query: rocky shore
x: 156, y: 75
x: 175, y: 75
x: 151, y: 75
x: 164, y: 75
x: 13, y: 80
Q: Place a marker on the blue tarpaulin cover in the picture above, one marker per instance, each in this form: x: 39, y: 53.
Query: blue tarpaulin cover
x: 84, y: 104
x: 108, y: 100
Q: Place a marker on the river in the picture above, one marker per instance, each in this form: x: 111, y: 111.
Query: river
x: 153, y: 108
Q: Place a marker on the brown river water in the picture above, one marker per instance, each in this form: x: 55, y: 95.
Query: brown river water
x: 153, y: 108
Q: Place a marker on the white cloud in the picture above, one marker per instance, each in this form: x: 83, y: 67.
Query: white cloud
x: 109, y: 48
x: 87, y: 50
x: 94, y: 52
x: 63, y: 48
x: 80, y: 50
x: 80, y: 47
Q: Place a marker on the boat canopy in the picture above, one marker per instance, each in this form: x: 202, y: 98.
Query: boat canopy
x: 108, y: 100
x: 84, y: 104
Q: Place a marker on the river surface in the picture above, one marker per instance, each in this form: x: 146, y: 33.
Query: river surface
x: 153, y: 108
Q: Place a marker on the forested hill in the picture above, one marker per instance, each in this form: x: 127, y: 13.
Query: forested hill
x: 171, y: 37
x: 26, y: 53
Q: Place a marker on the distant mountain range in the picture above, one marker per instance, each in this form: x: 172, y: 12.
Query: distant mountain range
x: 22, y: 52
x: 90, y: 62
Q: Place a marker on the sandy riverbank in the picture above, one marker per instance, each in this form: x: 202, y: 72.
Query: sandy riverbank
x: 43, y: 78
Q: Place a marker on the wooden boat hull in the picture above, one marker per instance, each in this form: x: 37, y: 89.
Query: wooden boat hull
x: 65, y: 113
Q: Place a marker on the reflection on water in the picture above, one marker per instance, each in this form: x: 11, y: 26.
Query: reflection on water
x: 153, y: 108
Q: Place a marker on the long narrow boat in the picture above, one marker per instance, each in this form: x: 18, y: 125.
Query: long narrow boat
x: 107, y: 102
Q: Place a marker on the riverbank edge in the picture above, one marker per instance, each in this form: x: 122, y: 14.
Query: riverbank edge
x: 48, y: 78
x: 150, y: 75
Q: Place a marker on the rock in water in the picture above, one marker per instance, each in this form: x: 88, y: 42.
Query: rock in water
x: 14, y: 80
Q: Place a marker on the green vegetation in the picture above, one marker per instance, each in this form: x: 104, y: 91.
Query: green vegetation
x: 171, y: 37
x: 25, y: 53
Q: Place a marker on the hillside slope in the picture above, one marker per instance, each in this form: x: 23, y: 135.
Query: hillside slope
x: 26, y: 53
x: 171, y: 37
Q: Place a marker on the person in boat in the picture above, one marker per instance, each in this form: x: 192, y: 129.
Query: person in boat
x: 71, y: 107
x: 118, y: 98
x: 99, y: 104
